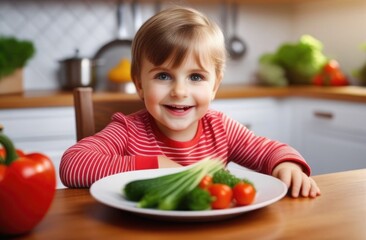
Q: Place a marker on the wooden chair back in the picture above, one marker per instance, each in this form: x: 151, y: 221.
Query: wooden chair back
x: 94, y: 111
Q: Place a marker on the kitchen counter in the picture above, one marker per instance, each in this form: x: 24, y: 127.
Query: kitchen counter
x: 34, y: 99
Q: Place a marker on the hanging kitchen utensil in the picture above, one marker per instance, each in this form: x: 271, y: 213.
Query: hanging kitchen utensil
x: 136, y: 14
x: 111, y: 53
x: 236, y: 46
x: 122, y: 34
x: 157, y: 6
x: 224, y: 19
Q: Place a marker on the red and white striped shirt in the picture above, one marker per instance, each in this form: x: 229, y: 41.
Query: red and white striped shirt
x: 134, y: 142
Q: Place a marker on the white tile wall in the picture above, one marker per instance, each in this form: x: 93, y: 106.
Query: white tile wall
x: 58, y: 27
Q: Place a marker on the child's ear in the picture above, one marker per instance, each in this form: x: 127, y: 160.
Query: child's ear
x: 139, y: 89
x: 216, y: 87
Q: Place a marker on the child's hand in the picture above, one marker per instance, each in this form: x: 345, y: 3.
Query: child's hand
x: 293, y: 176
x: 165, y: 162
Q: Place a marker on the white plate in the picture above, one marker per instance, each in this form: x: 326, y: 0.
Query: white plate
x: 108, y: 191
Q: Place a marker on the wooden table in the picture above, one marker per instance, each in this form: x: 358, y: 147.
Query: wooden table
x: 340, y: 213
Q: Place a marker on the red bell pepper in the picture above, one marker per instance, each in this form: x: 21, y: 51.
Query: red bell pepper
x: 27, y: 188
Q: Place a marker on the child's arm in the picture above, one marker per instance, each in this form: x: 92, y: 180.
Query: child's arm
x: 89, y: 160
x: 113, y: 150
x: 299, y: 183
x: 270, y: 157
x: 124, y: 145
x: 259, y: 153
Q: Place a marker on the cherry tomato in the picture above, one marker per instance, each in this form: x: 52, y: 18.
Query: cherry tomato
x: 331, y: 66
x: 318, y: 80
x: 223, y: 195
x: 205, y: 182
x: 244, y: 193
x: 330, y: 75
x: 338, y: 79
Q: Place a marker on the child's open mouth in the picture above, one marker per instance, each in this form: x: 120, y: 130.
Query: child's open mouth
x: 177, y: 108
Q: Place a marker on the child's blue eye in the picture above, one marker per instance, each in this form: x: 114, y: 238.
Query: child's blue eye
x: 163, y: 76
x: 196, y: 77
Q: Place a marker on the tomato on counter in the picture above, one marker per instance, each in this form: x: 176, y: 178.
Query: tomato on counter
x: 27, y: 188
x: 330, y: 75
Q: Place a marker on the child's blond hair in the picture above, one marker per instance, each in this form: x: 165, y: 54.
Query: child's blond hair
x: 174, y: 32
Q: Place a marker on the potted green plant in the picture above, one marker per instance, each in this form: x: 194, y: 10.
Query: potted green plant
x: 14, y: 55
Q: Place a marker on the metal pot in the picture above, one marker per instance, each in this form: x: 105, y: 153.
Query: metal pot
x: 77, y: 72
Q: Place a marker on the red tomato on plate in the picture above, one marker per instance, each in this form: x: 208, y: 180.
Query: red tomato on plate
x: 223, y: 195
x: 205, y: 182
x: 244, y: 193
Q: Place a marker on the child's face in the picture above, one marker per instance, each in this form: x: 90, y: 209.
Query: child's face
x: 178, y: 97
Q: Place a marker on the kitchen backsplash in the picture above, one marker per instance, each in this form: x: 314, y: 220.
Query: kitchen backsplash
x: 58, y: 27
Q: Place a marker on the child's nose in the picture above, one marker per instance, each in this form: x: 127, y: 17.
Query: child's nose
x: 179, y: 89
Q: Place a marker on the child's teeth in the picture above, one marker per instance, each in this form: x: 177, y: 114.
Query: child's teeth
x: 179, y: 108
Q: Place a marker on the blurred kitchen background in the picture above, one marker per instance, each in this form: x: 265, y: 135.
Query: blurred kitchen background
x: 58, y: 27
x: 328, y: 132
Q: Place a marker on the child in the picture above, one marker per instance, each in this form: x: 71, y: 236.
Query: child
x: 178, y: 59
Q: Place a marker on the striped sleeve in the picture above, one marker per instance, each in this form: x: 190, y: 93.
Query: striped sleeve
x: 258, y: 153
x: 108, y: 152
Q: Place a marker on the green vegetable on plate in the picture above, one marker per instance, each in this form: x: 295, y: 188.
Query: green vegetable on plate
x: 196, y: 200
x: 167, y: 192
x: 225, y: 177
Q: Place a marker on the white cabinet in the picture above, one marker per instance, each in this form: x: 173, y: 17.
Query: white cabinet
x: 331, y: 135
x: 264, y: 116
x: 47, y: 130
